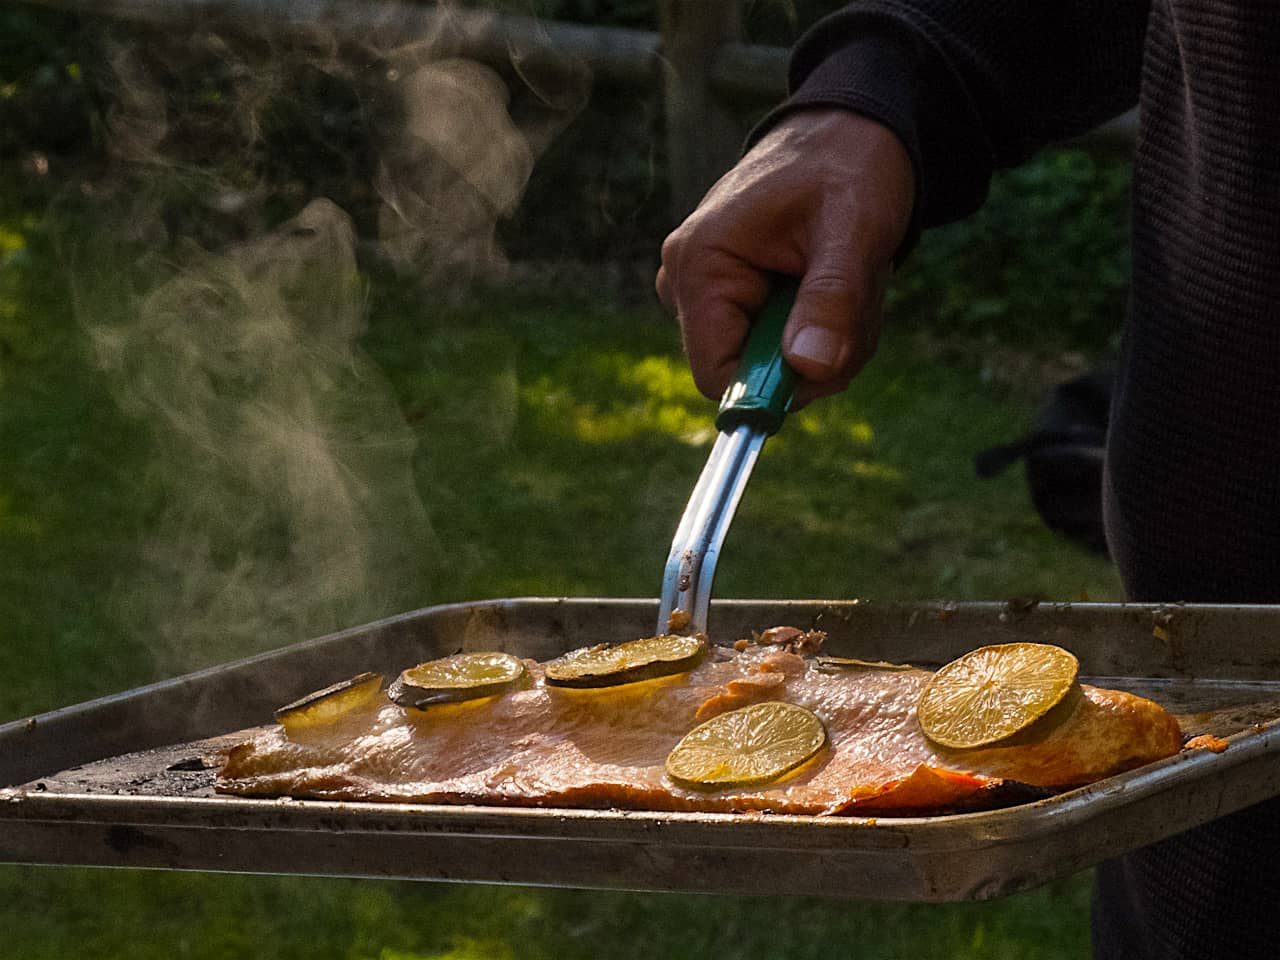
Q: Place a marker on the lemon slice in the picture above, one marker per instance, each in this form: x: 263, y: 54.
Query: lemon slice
x: 463, y: 676
x: 628, y: 662
x: 993, y: 692
x: 747, y: 747
x: 325, y: 706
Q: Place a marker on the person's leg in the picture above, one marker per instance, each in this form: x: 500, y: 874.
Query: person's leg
x: 1212, y: 892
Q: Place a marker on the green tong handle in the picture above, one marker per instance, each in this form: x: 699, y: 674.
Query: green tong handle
x: 763, y: 383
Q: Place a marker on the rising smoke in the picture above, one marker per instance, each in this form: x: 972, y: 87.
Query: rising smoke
x: 281, y: 473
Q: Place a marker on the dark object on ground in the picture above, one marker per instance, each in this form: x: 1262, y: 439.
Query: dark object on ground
x: 1064, y: 455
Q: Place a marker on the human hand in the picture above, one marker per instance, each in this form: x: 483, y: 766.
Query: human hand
x: 826, y: 197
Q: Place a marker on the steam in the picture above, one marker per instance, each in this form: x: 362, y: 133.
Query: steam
x: 460, y: 166
x: 281, y: 471
x: 463, y: 160
x: 282, y: 462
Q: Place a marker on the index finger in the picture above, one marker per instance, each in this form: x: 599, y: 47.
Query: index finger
x: 714, y: 304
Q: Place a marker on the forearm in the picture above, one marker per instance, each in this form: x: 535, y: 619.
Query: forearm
x: 971, y: 85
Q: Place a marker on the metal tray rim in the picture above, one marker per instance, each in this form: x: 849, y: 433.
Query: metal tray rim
x: 981, y: 607
x: 877, y: 857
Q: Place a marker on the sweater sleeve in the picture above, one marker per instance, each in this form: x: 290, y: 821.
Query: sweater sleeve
x: 971, y: 85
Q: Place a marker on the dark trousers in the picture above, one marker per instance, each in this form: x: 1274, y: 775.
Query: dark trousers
x: 1212, y: 892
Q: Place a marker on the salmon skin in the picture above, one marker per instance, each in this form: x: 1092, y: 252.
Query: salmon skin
x: 601, y: 748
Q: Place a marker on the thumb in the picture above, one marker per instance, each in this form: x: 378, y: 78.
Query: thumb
x: 821, y: 335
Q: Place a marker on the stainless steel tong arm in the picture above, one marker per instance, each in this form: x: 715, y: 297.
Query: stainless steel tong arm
x: 691, y: 564
x: 752, y: 409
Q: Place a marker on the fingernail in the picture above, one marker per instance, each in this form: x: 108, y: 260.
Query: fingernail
x: 817, y: 344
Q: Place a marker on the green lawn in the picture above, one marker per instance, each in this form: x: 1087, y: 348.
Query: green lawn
x: 212, y: 458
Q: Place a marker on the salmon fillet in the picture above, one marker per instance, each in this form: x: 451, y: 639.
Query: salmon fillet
x: 547, y: 746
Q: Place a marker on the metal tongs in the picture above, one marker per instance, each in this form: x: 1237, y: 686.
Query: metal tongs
x: 751, y: 410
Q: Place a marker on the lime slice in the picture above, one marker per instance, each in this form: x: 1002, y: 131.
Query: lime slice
x: 628, y: 662
x: 463, y: 676
x: 993, y: 692
x: 747, y: 747
x: 325, y: 706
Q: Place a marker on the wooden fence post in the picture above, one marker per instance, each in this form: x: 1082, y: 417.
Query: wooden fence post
x: 704, y: 134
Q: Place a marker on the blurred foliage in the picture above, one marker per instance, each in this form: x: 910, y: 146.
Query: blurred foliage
x: 44, y: 100
x: 252, y: 132
x: 600, y: 192
x: 1046, y: 260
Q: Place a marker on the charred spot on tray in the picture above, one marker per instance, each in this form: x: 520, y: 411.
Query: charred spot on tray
x: 190, y: 763
x: 789, y: 639
x: 843, y: 614
x: 1166, y: 626
x: 997, y: 795
x: 125, y: 840
x: 1008, y: 793
x: 1018, y: 608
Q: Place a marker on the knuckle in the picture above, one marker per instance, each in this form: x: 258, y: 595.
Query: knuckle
x: 844, y: 293
x: 867, y: 224
x: 828, y: 283
x: 671, y: 246
x: 662, y: 286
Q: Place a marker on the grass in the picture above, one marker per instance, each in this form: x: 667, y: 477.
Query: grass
x: 144, y: 915
x: 455, y: 448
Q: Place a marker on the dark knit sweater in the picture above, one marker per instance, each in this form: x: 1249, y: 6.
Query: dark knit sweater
x: 1193, y: 466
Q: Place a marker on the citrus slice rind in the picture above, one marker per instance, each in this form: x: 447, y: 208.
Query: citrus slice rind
x: 324, y: 706
x: 453, y: 679
x: 643, y: 659
x: 747, y: 747
x: 994, y: 692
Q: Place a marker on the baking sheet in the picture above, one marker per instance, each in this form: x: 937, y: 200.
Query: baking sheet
x: 127, y: 781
